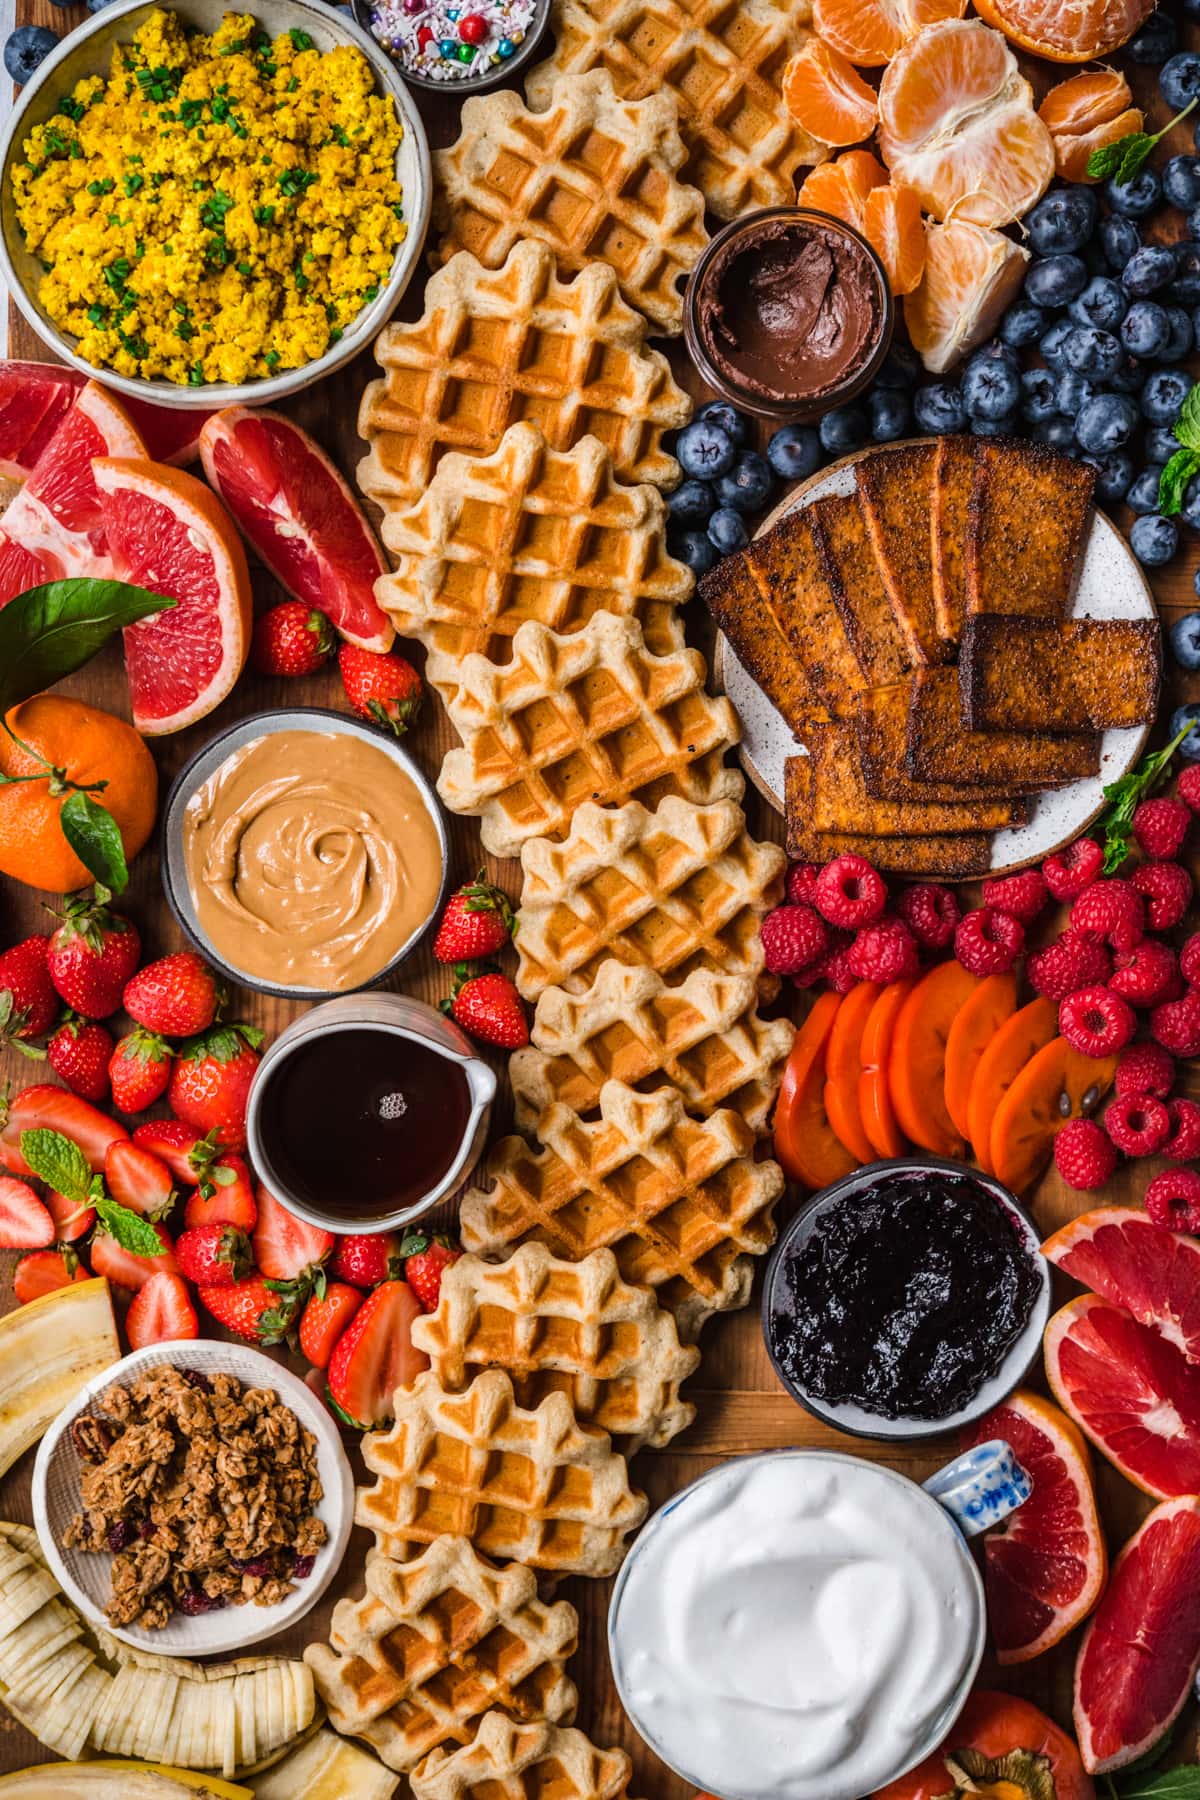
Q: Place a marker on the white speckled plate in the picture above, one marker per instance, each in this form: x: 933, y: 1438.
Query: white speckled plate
x: 1110, y: 585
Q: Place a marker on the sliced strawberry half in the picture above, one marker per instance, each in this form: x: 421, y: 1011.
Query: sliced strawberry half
x: 138, y: 1180
x: 161, y: 1313
x: 375, y: 1355
x: 287, y: 1248
x: 45, y: 1107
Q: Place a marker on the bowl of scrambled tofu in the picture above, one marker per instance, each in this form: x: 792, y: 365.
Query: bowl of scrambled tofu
x: 204, y: 207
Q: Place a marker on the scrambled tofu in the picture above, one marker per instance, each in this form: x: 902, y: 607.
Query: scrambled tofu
x: 220, y: 208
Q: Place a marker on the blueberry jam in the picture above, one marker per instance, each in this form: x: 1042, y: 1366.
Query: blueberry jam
x: 906, y: 1296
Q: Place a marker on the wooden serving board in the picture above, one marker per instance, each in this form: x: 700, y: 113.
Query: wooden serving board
x: 741, y: 1406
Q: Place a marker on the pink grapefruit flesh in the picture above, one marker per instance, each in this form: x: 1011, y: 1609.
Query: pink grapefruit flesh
x: 171, y: 433
x: 300, y: 516
x: 34, y: 397
x: 1130, y: 1391
x: 1155, y: 1275
x: 1141, y: 1650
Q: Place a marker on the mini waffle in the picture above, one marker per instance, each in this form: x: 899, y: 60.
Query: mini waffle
x: 569, y: 1326
x: 593, y: 716
x: 531, y: 1487
x: 593, y: 177
x: 434, y: 1644
x: 681, y: 1203
x: 510, y: 1761
x: 676, y: 889
x: 494, y: 347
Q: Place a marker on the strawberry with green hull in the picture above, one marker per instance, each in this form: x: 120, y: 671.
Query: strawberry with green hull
x: 224, y: 1197
x: 292, y: 639
x: 488, y: 1006
x: 286, y: 1248
x: 28, y: 1001
x: 253, y: 1309
x: 426, y: 1259
x: 325, y: 1318
x: 374, y: 1356
x: 188, y: 1153
x: 93, y: 954
x: 478, y: 922
x: 44, y: 1271
x: 137, y: 1179
x: 161, y: 1313
x: 139, y: 1070
x: 213, y: 1255
x: 385, y: 690
x: 176, y: 996
x: 79, y: 1053
x: 366, y: 1258
x: 45, y: 1107
x: 210, y: 1082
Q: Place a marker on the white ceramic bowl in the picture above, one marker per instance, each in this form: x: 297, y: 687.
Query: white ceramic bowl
x: 86, y: 51
x: 84, y: 1575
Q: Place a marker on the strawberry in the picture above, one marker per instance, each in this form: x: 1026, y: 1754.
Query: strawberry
x: 426, y: 1260
x: 291, y: 639
x: 139, y: 1070
x: 45, y: 1107
x: 125, y: 1267
x: 44, y: 1271
x: 325, y: 1318
x: 177, y: 996
x: 224, y: 1197
x: 489, y: 1007
x: 366, y: 1258
x: 374, y: 1356
x: 138, y: 1180
x: 92, y: 955
x: 162, y: 1313
x: 28, y: 1002
x: 187, y: 1154
x: 210, y: 1083
x: 253, y: 1309
x: 477, y: 922
x: 25, y: 1224
x: 213, y: 1255
x: 78, y: 1053
x: 286, y: 1248
x: 73, y: 1218
x: 385, y: 689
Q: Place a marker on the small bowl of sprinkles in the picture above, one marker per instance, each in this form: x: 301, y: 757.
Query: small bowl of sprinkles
x: 473, y: 44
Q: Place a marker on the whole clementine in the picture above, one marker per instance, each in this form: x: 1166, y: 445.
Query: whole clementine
x: 89, y: 746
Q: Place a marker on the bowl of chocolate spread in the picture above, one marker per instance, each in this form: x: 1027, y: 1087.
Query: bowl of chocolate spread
x: 788, y: 313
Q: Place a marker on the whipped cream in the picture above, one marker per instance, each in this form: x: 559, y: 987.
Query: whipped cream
x: 799, y: 1626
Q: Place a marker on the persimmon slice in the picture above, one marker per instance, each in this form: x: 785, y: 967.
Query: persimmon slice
x: 1055, y: 1086
x: 843, y: 1066
x: 1017, y: 1040
x: 994, y: 1001
x: 875, y: 1107
x: 805, y: 1146
x: 917, y: 1065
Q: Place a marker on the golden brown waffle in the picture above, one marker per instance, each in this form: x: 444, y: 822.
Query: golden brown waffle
x: 705, y: 1037
x: 594, y: 177
x: 494, y: 347
x: 524, y: 1486
x: 434, y: 1644
x: 593, y: 716
x: 680, y: 888
x: 681, y: 1203
x: 528, y: 533
x: 510, y: 1761
x: 569, y: 1326
x: 723, y: 60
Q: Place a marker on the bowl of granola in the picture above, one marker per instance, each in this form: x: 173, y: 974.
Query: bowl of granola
x: 194, y: 1498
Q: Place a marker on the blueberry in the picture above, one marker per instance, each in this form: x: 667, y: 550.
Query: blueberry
x: 1072, y: 392
x: 1163, y: 395
x: 1189, y: 510
x: 1088, y: 351
x: 1155, y: 41
x: 890, y: 414
x: 794, y: 451
x: 1119, y: 238
x: 1050, y: 347
x: 1038, y: 399
x: 991, y: 388
x: 843, y: 430
x: 1127, y: 377
x: 705, y: 449
x: 96, y: 6
x: 1147, y: 270
x: 1186, y: 715
x: 938, y: 408
x: 1055, y: 280
x: 1181, y: 182
x: 1179, y: 82
x: 1064, y: 220
x: 901, y: 368
x: 1105, y: 423
x: 691, y: 503
x: 1146, y: 329
x: 1186, y: 283
x: 1022, y: 324
x: 694, y: 549
x: 1134, y: 199
x: 1058, y: 433
x: 1143, y: 495
x: 1114, y: 474
x: 728, y: 418
x: 748, y: 485
x: 1182, y: 335
x: 727, y: 531
x: 26, y: 49
x: 1102, y: 303
x: 1159, y: 445
x: 1008, y: 425
x: 1185, y: 642
x: 1153, y: 540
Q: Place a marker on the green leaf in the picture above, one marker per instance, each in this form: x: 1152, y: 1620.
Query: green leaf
x: 1187, y: 426
x: 131, y: 1231
x: 1174, y: 479
x: 1182, y: 1783
x: 1106, y: 160
x: 58, y: 1162
x: 1124, y: 159
x: 49, y: 632
x: 1124, y: 797
x: 95, y: 837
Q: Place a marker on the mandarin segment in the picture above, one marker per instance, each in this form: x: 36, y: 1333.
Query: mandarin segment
x: 895, y: 230
x: 1085, y: 112
x: 970, y: 276
x: 870, y: 32
x: 1066, y: 30
x: 842, y: 187
x: 825, y: 93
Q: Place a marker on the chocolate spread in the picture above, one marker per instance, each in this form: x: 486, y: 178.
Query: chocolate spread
x: 790, y: 309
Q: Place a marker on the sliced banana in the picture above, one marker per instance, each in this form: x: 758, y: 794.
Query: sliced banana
x: 327, y: 1767
x: 48, y: 1351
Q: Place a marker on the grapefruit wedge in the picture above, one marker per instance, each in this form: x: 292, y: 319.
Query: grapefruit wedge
x: 167, y: 532
x: 1141, y: 1650
x: 1132, y: 1393
x: 1155, y: 1275
x: 300, y: 516
x: 1045, y: 1568
x: 34, y: 398
x: 171, y: 433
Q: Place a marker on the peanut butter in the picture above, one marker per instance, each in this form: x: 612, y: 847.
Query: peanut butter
x: 311, y: 859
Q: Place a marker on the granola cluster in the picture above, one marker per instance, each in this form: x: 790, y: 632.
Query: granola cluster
x: 203, y: 1489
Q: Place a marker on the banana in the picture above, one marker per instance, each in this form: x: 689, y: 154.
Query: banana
x: 115, y: 1781
x: 327, y: 1767
x: 48, y: 1350
x: 203, y: 1785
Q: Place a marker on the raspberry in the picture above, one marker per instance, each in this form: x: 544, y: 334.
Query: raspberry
x: 1183, y: 1145
x: 850, y: 892
x: 792, y: 937
x: 816, y: 973
x: 1072, y: 961
x: 1173, y: 1200
x: 1139, y: 1125
x: 1166, y: 890
x: 1096, y: 1022
x: 1188, y: 787
x: 1022, y: 895
x: 930, y: 912
x: 1145, y: 1069
x: 1073, y: 869
x: 1113, y: 911
x: 1083, y: 1155
x: 1189, y: 956
x: 883, y: 952
x: 1176, y: 1024
x: 832, y: 970
x: 1145, y: 976
x: 801, y: 884
x: 1160, y: 827
x: 988, y: 942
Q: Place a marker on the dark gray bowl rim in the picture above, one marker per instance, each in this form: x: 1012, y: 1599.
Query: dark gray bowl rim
x: 465, y: 84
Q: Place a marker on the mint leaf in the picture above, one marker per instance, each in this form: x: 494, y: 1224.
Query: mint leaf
x: 131, y: 1231
x: 1182, y: 1783
x: 1187, y: 425
x: 1174, y: 479
x: 1106, y: 160
x: 1125, y: 159
x: 1125, y: 795
x: 58, y: 1162
x: 49, y: 632
x: 95, y: 837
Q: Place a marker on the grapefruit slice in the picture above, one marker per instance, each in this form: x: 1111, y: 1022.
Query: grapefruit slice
x: 917, y: 1064
x: 1017, y: 1040
x: 974, y: 1028
x: 843, y: 1066
x: 34, y: 398
x: 300, y: 516
x: 1140, y: 1653
x: 1045, y: 1568
x: 1135, y: 1395
x: 970, y: 275
x: 171, y: 434
x: 1155, y: 1275
x: 167, y: 532
x: 805, y: 1146
x: 1055, y: 1086
x: 874, y: 1094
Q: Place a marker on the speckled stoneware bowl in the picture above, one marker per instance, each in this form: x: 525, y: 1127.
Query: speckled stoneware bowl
x: 463, y: 86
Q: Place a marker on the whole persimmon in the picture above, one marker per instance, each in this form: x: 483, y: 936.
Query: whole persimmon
x: 70, y: 745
